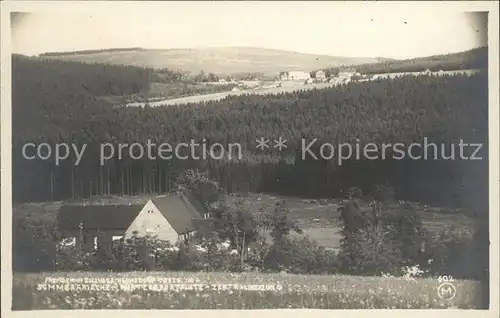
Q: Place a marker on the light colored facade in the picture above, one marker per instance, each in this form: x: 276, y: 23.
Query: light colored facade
x: 320, y: 75
x: 347, y: 72
x: 151, y: 222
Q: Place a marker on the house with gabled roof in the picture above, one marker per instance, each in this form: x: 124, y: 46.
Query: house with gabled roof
x: 171, y: 217
x: 320, y: 76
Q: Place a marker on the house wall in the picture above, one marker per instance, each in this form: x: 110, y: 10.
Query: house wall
x: 150, y: 221
x: 298, y: 75
x: 320, y: 74
x: 103, y: 238
x: 346, y: 74
x: 294, y: 76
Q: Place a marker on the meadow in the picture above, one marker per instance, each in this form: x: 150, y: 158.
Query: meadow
x: 319, y: 219
x: 283, y: 291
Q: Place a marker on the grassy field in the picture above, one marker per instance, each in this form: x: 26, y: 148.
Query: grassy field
x: 234, y: 291
x: 319, y: 219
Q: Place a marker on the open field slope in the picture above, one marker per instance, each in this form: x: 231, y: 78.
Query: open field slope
x: 174, y: 290
x: 227, y: 60
x: 319, y: 219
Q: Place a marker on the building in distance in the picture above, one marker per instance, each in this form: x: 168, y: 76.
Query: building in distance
x: 347, y: 72
x: 320, y: 76
x: 294, y: 76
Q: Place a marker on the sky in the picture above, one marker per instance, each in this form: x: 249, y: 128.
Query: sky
x: 332, y: 28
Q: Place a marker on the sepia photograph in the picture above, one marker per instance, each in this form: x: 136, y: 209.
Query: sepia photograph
x: 249, y: 155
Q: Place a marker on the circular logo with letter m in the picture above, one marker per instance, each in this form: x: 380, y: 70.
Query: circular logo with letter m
x: 446, y: 291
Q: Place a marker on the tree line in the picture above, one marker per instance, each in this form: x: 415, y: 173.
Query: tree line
x: 472, y: 59
x: 127, y: 49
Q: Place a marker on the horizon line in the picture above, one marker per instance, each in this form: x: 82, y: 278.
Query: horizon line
x: 82, y: 51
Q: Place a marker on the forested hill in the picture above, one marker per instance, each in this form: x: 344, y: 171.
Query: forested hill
x: 129, y: 49
x: 473, y: 59
x: 53, y: 102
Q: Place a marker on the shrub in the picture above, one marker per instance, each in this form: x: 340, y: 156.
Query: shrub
x: 458, y: 253
x: 382, y: 237
x: 199, y: 185
x: 299, y: 256
x: 214, y: 257
x: 354, y: 192
x: 371, y: 252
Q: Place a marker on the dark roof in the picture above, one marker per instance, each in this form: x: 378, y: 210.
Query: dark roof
x: 195, y: 205
x: 97, y: 216
x: 202, y: 222
x: 179, y: 211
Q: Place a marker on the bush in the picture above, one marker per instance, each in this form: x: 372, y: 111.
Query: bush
x: 212, y: 257
x: 371, y: 252
x: 300, y: 256
x: 354, y: 193
x: 458, y: 253
x: 182, y: 257
x: 199, y: 185
x: 381, y: 238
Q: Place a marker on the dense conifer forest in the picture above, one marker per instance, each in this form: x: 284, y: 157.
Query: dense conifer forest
x: 125, y: 49
x: 55, y: 102
x: 473, y: 59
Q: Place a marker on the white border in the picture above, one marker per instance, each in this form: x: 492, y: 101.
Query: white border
x: 115, y: 6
